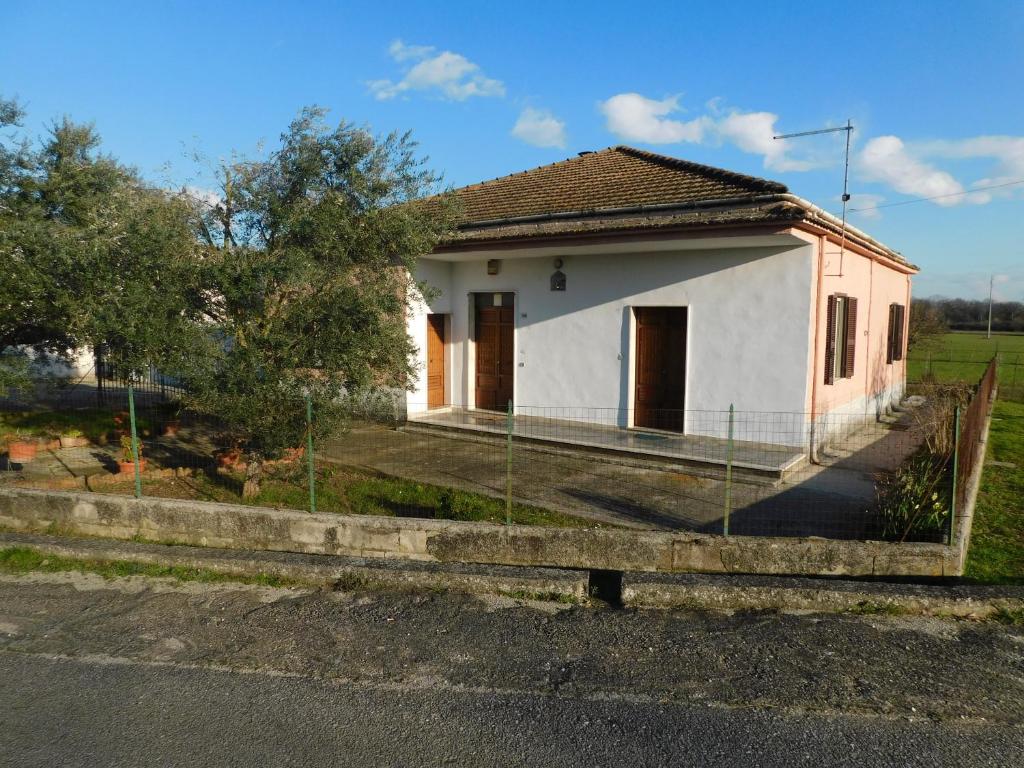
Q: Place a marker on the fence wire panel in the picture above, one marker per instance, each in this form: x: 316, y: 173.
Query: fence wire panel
x: 79, y: 437
x: 972, y: 424
x: 960, y: 365
x: 744, y: 473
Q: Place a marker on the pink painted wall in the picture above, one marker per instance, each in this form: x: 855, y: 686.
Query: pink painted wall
x: 875, y: 284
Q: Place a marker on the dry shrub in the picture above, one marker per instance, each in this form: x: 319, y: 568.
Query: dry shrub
x: 935, y: 418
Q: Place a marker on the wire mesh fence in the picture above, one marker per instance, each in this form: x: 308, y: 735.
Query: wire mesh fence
x: 953, y: 365
x: 969, y: 428
x: 729, y: 471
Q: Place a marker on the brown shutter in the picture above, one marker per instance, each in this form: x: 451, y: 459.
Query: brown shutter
x: 830, y: 340
x: 890, y: 342
x: 851, y: 337
x: 901, y: 318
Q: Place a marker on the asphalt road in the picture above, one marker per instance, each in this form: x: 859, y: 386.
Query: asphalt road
x: 138, y: 673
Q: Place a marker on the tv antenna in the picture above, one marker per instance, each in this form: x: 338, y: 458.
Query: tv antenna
x: 846, y: 176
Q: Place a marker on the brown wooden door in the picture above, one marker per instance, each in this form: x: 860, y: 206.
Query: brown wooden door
x: 495, y: 361
x: 435, y: 361
x: 660, y: 367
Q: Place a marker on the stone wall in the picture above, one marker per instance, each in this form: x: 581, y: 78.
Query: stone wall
x: 245, y: 527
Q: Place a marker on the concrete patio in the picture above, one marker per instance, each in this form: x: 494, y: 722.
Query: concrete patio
x: 698, y: 454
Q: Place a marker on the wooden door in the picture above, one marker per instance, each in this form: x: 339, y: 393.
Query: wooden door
x: 435, y: 361
x: 660, y: 367
x: 495, y: 359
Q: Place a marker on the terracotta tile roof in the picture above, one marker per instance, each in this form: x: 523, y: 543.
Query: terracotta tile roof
x: 768, y: 213
x: 616, y: 177
x: 623, y: 190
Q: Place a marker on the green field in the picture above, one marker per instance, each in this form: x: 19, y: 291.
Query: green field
x: 962, y: 356
x: 997, y: 540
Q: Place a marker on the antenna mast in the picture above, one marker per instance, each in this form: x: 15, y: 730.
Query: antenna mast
x: 846, y: 176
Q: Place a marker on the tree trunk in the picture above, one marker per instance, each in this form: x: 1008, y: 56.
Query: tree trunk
x: 253, y: 475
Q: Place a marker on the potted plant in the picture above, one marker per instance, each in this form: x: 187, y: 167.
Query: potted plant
x: 172, y: 421
x: 127, y: 463
x: 229, y: 456
x: 21, y: 450
x: 289, y: 455
x: 121, y: 424
x: 73, y: 438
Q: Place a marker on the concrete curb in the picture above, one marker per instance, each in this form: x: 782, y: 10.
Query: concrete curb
x: 699, y: 592
x: 538, y: 583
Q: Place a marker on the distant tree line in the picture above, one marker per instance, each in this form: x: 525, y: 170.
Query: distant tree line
x: 972, y: 314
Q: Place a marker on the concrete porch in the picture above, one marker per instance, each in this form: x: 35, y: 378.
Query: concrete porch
x: 698, y: 454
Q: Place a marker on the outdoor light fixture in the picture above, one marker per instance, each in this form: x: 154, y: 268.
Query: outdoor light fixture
x: 558, y: 278
x: 493, y: 266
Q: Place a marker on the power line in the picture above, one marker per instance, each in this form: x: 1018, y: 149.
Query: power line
x: 937, y: 197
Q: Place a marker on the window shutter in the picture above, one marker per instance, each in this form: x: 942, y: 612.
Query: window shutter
x: 890, y: 343
x: 851, y: 337
x: 901, y: 316
x: 830, y: 340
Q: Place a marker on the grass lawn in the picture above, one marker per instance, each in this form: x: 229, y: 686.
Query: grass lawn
x: 997, y: 539
x: 347, y: 491
x: 19, y: 560
x: 962, y: 356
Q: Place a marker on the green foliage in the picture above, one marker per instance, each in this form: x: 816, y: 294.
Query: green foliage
x: 91, y: 254
x: 304, y: 268
x: 15, y: 371
x: 93, y: 423
x: 914, y: 502
x: 128, y: 450
x: 1013, y: 617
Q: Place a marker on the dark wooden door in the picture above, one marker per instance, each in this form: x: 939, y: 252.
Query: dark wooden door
x: 495, y: 361
x: 435, y: 361
x: 660, y: 367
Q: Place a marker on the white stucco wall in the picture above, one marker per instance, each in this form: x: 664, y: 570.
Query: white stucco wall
x: 77, y: 364
x: 747, y: 307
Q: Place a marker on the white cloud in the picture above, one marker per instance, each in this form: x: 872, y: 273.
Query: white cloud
x: 1007, y: 152
x: 451, y: 74
x: 539, y: 128
x: 911, y: 168
x: 205, y: 197
x: 753, y: 131
x: 636, y: 118
x: 887, y: 159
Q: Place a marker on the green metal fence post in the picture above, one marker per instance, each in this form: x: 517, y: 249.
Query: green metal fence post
x: 728, y: 474
x: 508, y: 467
x: 135, y: 441
x: 956, y: 471
x: 309, y: 454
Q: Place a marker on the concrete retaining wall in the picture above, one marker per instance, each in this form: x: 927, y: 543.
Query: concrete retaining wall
x: 243, y: 527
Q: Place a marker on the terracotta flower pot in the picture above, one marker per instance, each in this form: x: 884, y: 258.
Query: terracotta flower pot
x: 228, y: 459
x: 128, y: 467
x: 73, y: 441
x: 293, y: 454
x: 20, y: 451
x: 171, y: 428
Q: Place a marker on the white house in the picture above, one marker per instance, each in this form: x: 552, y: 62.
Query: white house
x: 647, y: 292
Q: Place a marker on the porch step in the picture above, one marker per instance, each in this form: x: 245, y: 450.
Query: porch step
x: 746, y: 472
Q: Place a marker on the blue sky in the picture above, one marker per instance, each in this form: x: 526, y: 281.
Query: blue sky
x: 934, y: 90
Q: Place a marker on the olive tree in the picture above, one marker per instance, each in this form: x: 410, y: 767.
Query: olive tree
x: 306, y: 279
